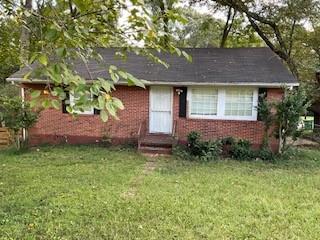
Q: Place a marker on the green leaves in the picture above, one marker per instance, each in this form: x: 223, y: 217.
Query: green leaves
x: 106, y: 85
x: 101, y: 102
x: 111, y: 109
x: 17, y: 114
x: 112, y: 71
x: 82, y: 5
x: 46, y: 103
x: 133, y: 81
x: 61, y: 52
x: 104, y: 115
x: 27, y: 75
x: 55, y: 103
x: 35, y: 93
x: 117, y: 103
x: 187, y: 56
x: 51, y: 34
x: 43, y: 59
x: 123, y: 74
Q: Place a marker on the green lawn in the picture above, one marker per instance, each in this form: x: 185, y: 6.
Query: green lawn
x: 78, y: 193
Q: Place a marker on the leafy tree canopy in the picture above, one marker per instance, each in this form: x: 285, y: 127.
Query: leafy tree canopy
x: 35, y: 31
x: 288, y: 27
x: 54, y: 32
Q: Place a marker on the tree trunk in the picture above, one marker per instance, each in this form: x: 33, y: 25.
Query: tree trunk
x: 163, y: 7
x: 280, y: 140
x: 227, y: 27
x: 266, y: 138
x: 293, y: 27
x: 17, y: 140
x: 25, y: 35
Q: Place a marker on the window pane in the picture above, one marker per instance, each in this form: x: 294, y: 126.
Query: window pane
x: 239, y: 102
x: 84, y: 109
x: 204, y: 102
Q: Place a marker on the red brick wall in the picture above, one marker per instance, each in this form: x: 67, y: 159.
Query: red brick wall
x: 274, y: 94
x: 55, y: 127
x: 215, y: 129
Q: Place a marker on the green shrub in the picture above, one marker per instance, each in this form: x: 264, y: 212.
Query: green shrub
x: 17, y: 115
x: 241, y: 150
x: 204, y: 151
x: 210, y: 150
x: 289, y: 154
x: 228, y: 141
x: 200, y: 150
x: 194, y: 143
x: 265, y: 154
x: 181, y: 151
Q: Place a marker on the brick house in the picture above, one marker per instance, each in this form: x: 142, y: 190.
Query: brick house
x: 216, y: 94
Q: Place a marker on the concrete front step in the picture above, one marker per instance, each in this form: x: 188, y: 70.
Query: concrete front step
x: 156, y: 144
x: 156, y: 140
x: 155, y: 150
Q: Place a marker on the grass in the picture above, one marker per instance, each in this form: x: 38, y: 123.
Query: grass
x: 77, y: 193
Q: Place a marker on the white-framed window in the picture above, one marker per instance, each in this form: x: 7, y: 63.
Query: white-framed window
x: 229, y: 103
x: 204, y: 102
x: 84, y: 111
x: 239, y: 102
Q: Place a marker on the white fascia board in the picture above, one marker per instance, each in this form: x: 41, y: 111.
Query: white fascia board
x: 252, y: 84
x: 278, y: 85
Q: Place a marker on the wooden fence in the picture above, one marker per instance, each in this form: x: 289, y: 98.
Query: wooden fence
x: 5, y: 137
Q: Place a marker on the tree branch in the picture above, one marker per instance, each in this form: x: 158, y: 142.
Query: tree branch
x: 293, y: 27
x: 227, y: 27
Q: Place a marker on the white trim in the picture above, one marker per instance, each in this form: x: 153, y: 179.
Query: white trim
x: 190, y: 98
x: 221, y: 107
x: 151, y: 83
x: 251, y: 84
x: 221, y: 102
x: 171, y: 112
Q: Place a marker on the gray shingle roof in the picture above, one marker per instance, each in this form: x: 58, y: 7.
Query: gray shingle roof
x: 209, y: 65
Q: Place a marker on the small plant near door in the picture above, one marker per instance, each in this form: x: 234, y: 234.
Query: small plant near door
x: 16, y: 116
x: 200, y: 150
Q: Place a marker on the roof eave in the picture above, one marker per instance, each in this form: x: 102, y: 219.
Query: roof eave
x: 150, y: 83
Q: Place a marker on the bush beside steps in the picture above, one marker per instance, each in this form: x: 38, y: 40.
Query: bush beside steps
x: 204, y: 151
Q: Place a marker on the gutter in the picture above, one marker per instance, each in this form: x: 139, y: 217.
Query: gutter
x: 276, y: 85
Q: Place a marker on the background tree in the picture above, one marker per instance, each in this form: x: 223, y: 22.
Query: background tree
x: 276, y: 22
x: 9, y: 53
x: 161, y: 10
x: 205, y: 30
x: 201, y: 30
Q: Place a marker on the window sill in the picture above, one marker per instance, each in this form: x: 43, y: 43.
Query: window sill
x: 224, y: 118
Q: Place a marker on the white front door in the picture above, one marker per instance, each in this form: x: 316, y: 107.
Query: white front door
x: 160, y: 110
